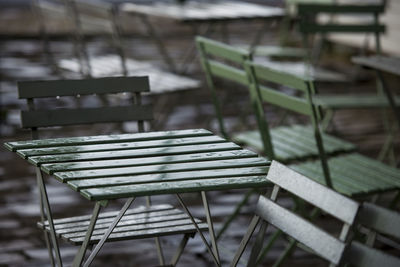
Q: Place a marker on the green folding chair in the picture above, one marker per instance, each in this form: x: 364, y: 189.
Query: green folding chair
x: 54, y: 113
x: 336, y: 250
x: 222, y: 62
x: 311, y: 25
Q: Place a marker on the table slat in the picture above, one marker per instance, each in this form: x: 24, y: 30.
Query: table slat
x: 162, y: 168
x: 116, y: 192
x: 104, y: 139
x: 101, y: 164
x: 79, y: 185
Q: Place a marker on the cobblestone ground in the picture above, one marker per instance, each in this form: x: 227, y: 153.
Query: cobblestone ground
x: 21, y: 243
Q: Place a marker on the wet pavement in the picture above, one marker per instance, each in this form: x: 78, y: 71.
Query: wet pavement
x: 21, y: 243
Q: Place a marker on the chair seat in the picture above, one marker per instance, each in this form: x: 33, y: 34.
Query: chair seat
x: 353, y: 101
x: 353, y: 174
x: 295, y: 142
x: 141, y: 222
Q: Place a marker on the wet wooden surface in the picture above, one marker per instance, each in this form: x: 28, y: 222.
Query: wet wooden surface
x: 21, y: 243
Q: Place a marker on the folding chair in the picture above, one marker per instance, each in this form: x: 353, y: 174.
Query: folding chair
x: 349, y: 173
x: 35, y: 92
x: 225, y: 62
x: 334, y: 249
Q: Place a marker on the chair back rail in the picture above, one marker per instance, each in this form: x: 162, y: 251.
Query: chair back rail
x: 361, y: 255
x: 310, y: 24
x: 379, y: 219
x: 336, y: 250
x: 34, y: 118
x: 314, y: 193
x: 303, y: 104
x: 107, y: 85
x: 214, y: 57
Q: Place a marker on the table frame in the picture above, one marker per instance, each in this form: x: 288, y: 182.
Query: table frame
x: 249, y: 162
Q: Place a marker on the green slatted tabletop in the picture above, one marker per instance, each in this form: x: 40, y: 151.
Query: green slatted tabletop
x: 103, y: 168
x: 129, y: 165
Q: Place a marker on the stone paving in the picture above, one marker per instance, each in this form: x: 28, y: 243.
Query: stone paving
x: 21, y: 243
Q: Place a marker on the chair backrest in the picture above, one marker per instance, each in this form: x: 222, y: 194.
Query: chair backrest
x: 266, y: 86
x: 310, y: 24
x: 376, y: 220
x: 324, y: 244
x: 222, y: 61
x: 55, y: 90
x: 336, y: 250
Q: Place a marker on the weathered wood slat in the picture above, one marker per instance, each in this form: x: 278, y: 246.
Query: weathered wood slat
x: 62, y: 117
x: 383, y: 63
x: 361, y: 255
x: 294, y: 142
x: 140, y: 222
x: 280, y: 77
x: 228, y: 72
x: 133, y: 153
x: 174, y: 187
x: 334, y: 28
x: 100, y: 164
x: 81, y: 184
x: 283, y: 100
x: 171, y: 230
x: 121, y: 146
x: 314, y: 193
x: 313, y: 237
x: 379, y: 219
x: 162, y: 168
x: 36, y: 89
x: 353, y: 101
x: 354, y: 174
x: 104, y: 139
x: 234, y: 54
x: 138, y: 212
x: 348, y: 8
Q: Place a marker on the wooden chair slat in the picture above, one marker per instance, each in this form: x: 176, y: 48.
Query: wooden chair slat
x: 342, y: 28
x: 314, y: 193
x: 361, y: 255
x: 283, y: 100
x: 63, y: 117
x: 332, y: 9
x: 275, y: 76
x: 224, y: 71
x: 108, y: 85
x: 305, y: 232
x: 380, y: 219
x: 233, y: 54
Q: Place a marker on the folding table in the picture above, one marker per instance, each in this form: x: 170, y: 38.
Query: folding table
x: 200, y: 13
x: 126, y: 166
